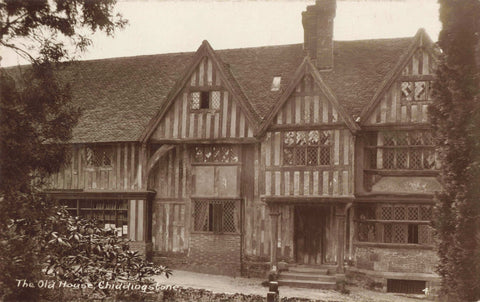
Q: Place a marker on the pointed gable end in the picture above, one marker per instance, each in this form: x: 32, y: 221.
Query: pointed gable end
x: 308, y: 102
x: 203, y: 105
x: 405, y: 94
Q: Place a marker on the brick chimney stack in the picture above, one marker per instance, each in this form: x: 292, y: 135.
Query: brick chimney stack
x: 317, y: 23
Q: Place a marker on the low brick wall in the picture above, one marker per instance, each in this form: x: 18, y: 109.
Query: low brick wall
x: 396, y: 259
x: 373, y: 266
x: 255, y: 266
x: 172, y: 260
x: 215, y: 253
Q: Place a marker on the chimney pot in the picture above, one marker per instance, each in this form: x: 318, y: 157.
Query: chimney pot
x: 317, y: 23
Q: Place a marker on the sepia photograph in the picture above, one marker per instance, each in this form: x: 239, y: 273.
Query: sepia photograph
x: 240, y: 150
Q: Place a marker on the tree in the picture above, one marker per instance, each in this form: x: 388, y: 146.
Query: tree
x: 455, y: 115
x: 54, y: 30
x: 35, y: 121
x: 38, y: 239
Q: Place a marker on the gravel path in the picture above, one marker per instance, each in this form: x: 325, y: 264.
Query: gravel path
x: 252, y: 286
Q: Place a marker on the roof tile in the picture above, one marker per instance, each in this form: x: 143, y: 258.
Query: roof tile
x: 119, y: 96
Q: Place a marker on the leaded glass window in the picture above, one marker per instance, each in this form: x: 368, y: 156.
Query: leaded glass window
x: 307, y: 148
x: 215, y: 154
x: 416, y: 91
x: 109, y: 214
x: 205, y: 100
x: 99, y: 156
x: 403, y: 150
x: 216, y: 216
x: 405, y: 224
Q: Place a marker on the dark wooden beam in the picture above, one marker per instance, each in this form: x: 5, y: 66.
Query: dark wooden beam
x: 156, y: 157
x: 408, y: 198
x: 418, y: 77
x: 394, y: 221
x: 395, y: 245
x: 81, y: 194
x: 305, y: 127
x: 397, y: 126
x: 427, y: 173
x: 248, y: 140
x: 304, y: 200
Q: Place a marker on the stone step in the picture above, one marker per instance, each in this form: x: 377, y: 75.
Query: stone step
x: 313, y: 270
x: 306, y: 276
x: 307, y: 284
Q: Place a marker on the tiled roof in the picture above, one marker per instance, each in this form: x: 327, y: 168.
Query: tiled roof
x: 120, y: 96
x: 254, y: 69
x: 360, y: 67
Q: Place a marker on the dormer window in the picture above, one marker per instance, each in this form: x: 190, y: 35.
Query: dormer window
x: 276, y: 83
x: 205, y: 100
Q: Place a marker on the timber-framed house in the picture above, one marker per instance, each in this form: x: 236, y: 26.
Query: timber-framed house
x: 307, y: 158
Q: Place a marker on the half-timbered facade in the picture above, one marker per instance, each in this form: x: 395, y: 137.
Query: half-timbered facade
x: 238, y: 161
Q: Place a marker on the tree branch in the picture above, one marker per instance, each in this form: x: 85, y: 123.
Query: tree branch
x: 4, y: 30
x: 19, y: 51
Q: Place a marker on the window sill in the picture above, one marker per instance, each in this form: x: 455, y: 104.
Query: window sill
x: 216, y: 164
x: 214, y: 234
x: 204, y: 110
x: 91, y: 169
x: 407, y: 246
x: 385, y: 172
x: 384, y: 221
x: 303, y: 168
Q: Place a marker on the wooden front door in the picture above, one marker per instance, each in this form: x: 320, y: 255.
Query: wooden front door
x: 310, y: 234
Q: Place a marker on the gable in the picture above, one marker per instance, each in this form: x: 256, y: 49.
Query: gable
x: 406, y: 98
x: 121, y: 97
x: 307, y: 101
x: 307, y: 104
x: 204, y: 109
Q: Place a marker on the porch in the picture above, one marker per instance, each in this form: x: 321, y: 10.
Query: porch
x: 316, y: 229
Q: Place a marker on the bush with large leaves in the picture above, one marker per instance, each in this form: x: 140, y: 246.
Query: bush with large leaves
x: 81, y: 252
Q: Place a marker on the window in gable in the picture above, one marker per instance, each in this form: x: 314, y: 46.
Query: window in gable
x: 215, y: 100
x: 417, y: 91
x: 202, y: 100
x: 195, y: 102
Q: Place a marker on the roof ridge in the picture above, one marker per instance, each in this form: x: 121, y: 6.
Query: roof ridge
x: 379, y: 39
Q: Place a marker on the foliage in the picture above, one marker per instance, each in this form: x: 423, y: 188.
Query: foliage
x: 35, y: 121
x: 455, y: 115
x: 48, y: 29
x: 71, y: 250
x: 38, y: 238
x: 80, y: 252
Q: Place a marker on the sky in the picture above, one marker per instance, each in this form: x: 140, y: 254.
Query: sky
x: 157, y: 26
